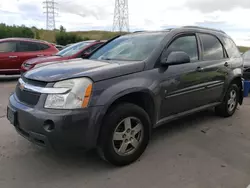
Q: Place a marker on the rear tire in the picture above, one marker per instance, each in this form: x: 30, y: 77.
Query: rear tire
x: 125, y: 134
x: 230, y: 102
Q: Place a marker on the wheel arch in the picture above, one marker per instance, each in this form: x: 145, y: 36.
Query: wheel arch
x: 142, y: 97
x: 238, y: 81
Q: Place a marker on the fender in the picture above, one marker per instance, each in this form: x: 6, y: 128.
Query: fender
x: 235, y: 74
x: 118, y: 90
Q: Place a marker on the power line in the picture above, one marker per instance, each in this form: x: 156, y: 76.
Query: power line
x: 121, y: 16
x: 50, y: 7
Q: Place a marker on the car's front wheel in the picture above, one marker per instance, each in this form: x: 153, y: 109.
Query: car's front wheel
x: 124, y: 135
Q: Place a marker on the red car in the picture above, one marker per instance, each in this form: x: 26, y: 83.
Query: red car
x: 76, y: 50
x: 14, y: 51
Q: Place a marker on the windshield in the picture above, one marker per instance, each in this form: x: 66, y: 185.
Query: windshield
x: 73, y: 49
x: 246, y: 55
x: 136, y: 47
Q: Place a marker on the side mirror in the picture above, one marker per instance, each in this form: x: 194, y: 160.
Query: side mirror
x: 176, y: 58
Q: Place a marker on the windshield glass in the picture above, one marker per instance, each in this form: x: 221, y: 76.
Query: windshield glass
x: 73, y: 49
x: 135, y: 47
x: 246, y: 55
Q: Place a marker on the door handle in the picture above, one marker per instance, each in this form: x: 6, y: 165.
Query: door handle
x: 226, y: 64
x: 40, y: 55
x: 12, y: 56
x: 199, y: 69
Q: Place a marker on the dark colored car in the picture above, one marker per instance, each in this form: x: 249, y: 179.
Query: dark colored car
x: 133, y: 83
x: 246, y: 65
x: 14, y: 51
x: 77, y: 50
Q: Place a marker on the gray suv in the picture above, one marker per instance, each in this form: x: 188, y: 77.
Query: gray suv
x: 133, y: 83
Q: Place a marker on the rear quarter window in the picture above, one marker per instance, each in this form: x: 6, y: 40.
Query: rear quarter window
x: 43, y: 46
x: 231, y: 48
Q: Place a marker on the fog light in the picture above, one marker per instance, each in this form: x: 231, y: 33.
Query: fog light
x: 49, y: 125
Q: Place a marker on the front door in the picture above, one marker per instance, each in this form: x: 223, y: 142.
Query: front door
x: 8, y: 56
x: 180, y: 84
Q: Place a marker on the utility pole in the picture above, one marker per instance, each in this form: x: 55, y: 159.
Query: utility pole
x: 50, y: 7
x: 121, y: 16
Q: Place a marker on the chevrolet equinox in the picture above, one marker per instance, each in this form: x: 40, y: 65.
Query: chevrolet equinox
x: 112, y: 99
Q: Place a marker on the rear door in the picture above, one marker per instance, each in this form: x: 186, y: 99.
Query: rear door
x: 28, y: 50
x: 214, y: 67
x: 8, y: 56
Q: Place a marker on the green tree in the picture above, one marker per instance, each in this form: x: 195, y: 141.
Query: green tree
x: 15, y: 31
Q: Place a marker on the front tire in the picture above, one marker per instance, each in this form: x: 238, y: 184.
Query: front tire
x: 229, y: 105
x: 125, y: 134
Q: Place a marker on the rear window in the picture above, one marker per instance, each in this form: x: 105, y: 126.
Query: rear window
x: 231, y: 48
x: 212, y: 48
x: 43, y: 46
x: 28, y: 46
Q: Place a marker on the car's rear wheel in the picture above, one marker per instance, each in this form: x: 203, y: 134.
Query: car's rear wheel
x: 229, y: 105
x: 124, y: 135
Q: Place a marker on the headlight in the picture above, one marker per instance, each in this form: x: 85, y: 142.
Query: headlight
x: 77, y: 97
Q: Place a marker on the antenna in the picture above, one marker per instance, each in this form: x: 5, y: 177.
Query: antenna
x: 50, y: 7
x: 121, y: 16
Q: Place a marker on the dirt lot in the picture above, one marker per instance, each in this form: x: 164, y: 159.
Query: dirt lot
x: 201, y: 151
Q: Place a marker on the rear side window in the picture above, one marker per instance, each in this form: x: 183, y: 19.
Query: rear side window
x: 43, y: 46
x: 186, y: 44
x: 28, y: 47
x: 231, y: 48
x: 92, y: 48
x: 212, y: 48
x: 8, y: 47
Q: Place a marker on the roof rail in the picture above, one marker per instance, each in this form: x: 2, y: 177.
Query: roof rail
x: 198, y: 27
x: 138, y: 31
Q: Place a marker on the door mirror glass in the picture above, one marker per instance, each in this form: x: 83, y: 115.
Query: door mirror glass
x: 176, y: 58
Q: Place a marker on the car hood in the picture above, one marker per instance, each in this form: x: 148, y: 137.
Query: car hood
x: 38, y: 60
x: 74, y: 68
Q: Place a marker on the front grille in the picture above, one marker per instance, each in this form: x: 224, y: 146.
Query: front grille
x: 28, y: 97
x: 34, y: 82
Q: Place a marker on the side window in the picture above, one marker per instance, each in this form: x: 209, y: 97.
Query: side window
x: 212, y: 48
x: 27, y: 47
x: 231, y: 48
x: 8, y: 47
x: 186, y: 44
x: 92, y: 48
x: 43, y: 46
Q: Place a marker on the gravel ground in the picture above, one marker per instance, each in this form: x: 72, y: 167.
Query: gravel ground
x: 200, y: 151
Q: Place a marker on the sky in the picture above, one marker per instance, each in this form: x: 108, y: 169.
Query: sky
x: 78, y: 15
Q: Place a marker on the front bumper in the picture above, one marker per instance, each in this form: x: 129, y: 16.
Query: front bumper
x: 55, y: 129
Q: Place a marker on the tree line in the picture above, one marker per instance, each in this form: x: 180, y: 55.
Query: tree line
x: 62, y: 37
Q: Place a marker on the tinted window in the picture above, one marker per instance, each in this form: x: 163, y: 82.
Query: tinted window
x: 72, y: 49
x: 27, y: 46
x: 246, y: 55
x: 43, y: 46
x: 133, y: 47
x: 92, y: 48
x: 186, y: 44
x: 231, y: 48
x: 212, y: 48
x: 7, y: 46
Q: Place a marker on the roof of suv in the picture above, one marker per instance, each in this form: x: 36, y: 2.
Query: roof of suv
x: 197, y: 28
x: 24, y: 39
